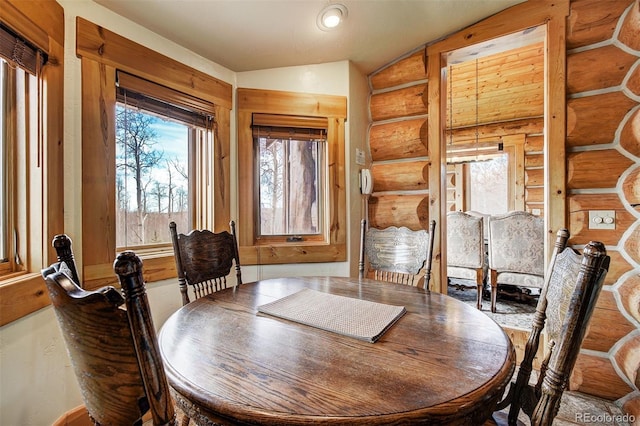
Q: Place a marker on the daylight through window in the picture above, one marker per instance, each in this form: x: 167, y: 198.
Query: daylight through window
x: 4, y: 169
x: 157, y: 144
x: 20, y: 147
x: 489, y: 187
x: 290, y: 163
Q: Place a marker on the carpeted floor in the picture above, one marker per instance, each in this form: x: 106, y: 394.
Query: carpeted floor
x: 510, y: 313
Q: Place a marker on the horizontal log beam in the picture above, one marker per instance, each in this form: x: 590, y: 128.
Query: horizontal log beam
x: 406, y: 102
x: 596, y: 169
x: 594, y: 119
x: 406, y: 70
x: 593, y: 21
x: 398, y: 139
x: 411, y: 211
x: 403, y: 176
x: 597, y: 69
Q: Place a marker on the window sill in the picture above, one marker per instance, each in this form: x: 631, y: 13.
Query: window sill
x: 12, y: 277
x: 20, y: 295
x: 149, y: 252
x: 24, y: 293
x: 283, y: 253
x: 281, y: 242
x: 157, y: 265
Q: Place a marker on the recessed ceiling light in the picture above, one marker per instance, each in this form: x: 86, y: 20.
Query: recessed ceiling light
x: 331, y: 16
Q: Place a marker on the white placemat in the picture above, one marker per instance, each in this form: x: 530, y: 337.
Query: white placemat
x: 356, y: 318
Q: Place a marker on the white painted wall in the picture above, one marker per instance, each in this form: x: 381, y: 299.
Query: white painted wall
x: 358, y: 132
x: 37, y: 383
x: 329, y: 79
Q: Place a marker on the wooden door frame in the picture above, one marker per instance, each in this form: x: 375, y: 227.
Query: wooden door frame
x: 552, y: 14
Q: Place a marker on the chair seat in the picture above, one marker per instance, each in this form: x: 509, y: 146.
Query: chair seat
x: 461, y: 273
x: 521, y: 280
x: 516, y: 251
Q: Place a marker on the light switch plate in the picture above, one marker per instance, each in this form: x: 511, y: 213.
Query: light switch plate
x: 602, y: 219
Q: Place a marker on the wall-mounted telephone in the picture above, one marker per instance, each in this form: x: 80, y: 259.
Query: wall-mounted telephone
x: 366, y: 182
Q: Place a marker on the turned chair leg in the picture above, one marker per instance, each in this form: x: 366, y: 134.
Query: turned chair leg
x: 494, y: 289
x: 480, y: 288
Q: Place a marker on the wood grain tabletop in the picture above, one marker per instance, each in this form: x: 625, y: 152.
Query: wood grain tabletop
x: 442, y: 362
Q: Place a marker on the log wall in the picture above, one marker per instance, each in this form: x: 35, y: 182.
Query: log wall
x: 603, y: 173
x: 398, y: 145
x: 603, y: 168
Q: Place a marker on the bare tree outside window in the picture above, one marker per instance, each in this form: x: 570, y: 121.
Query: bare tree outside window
x: 289, y: 186
x: 151, y: 176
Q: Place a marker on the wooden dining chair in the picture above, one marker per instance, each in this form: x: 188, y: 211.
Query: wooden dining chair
x: 114, y: 351
x: 62, y: 244
x: 516, y: 252
x: 572, y: 284
x: 398, y: 255
x: 466, y: 251
x: 204, y: 260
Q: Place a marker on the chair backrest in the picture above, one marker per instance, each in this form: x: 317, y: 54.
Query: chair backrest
x: 62, y: 244
x: 572, y: 284
x: 465, y: 240
x: 204, y: 259
x: 516, y: 243
x: 114, y: 351
x: 397, y: 255
x: 485, y: 221
x: 466, y: 251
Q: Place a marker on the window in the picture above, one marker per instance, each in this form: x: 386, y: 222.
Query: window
x: 20, y: 126
x: 168, y: 94
x: 292, y: 200
x: 488, y: 177
x: 489, y: 185
x: 5, y: 266
x: 160, y: 135
x: 157, y: 143
x: 290, y: 168
x: 31, y: 166
x: 152, y: 176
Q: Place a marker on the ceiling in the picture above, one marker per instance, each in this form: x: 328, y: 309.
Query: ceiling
x: 247, y: 35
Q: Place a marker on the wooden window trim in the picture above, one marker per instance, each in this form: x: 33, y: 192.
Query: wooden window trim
x: 190, y: 111
x: 42, y: 23
x: 300, y: 128
x: 103, y: 52
x: 333, y: 108
x: 168, y: 95
x: 513, y: 146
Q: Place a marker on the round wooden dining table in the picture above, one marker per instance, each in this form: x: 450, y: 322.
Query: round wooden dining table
x: 441, y: 362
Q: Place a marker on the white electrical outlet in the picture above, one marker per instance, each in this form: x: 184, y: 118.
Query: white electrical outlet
x: 602, y: 219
